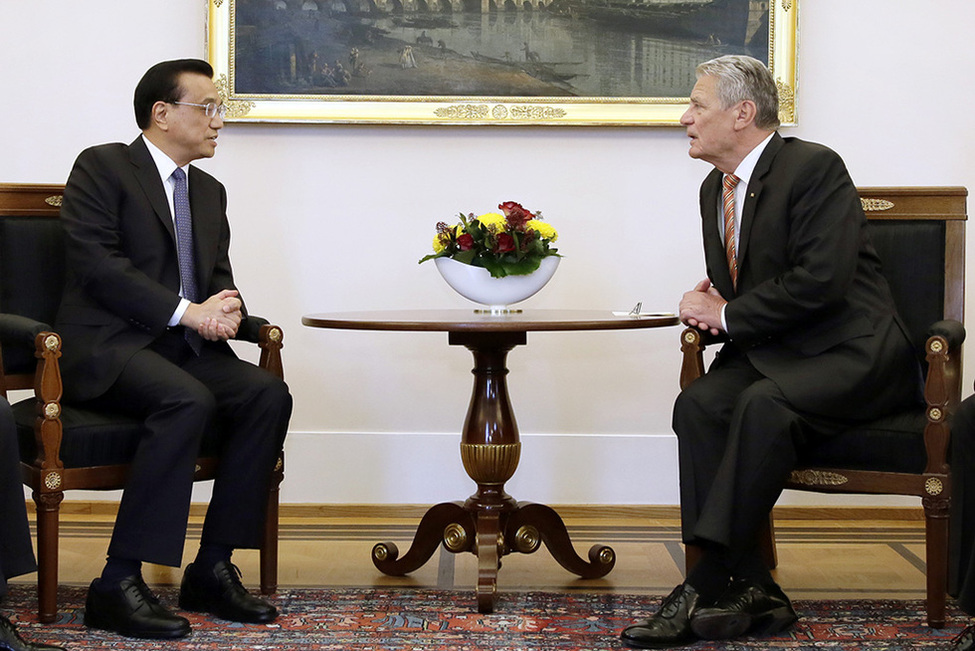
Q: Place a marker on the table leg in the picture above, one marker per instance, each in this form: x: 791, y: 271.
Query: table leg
x: 489, y: 551
x: 531, y: 524
x: 491, y: 523
x: 448, y: 523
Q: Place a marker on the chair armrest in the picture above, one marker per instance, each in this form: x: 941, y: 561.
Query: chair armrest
x: 942, y: 389
x: 20, y: 330
x: 692, y: 344
x: 953, y: 332
x: 269, y: 337
x: 250, y: 329
x: 18, y: 337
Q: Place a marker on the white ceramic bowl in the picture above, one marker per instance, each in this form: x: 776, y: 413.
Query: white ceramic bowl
x: 476, y: 283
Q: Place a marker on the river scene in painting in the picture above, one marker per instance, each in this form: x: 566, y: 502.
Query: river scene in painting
x: 567, y: 48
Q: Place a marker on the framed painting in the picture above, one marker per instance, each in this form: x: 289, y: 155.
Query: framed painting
x: 486, y: 62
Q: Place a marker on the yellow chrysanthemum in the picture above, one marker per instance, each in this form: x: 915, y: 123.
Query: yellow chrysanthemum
x: 544, y: 229
x: 440, y: 242
x: 493, y: 222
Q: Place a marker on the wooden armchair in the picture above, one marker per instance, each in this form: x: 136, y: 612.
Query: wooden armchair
x: 920, y: 236
x: 64, y: 447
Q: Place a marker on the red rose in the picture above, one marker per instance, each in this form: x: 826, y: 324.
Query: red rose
x: 465, y: 242
x: 505, y: 243
x: 515, y: 213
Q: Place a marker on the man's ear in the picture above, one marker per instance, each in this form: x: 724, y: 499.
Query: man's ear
x: 160, y: 115
x: 745, y: 114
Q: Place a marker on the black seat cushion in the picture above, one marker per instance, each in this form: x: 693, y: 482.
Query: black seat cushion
x: 92, y: 438
x: 891, y: 444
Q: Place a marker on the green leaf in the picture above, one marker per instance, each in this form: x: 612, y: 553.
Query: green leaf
x: 432, y: 256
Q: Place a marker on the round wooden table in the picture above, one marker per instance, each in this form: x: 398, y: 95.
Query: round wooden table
x: 490, y: 523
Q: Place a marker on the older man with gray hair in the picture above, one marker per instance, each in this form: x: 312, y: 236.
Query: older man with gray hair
x: 794, y: 289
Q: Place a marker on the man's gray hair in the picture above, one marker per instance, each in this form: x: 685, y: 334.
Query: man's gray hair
x: 740, y: 78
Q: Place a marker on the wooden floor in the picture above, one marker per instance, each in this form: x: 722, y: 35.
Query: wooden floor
x: 858, y: 553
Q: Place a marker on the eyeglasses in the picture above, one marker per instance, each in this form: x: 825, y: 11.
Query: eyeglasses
x: 212, y: 110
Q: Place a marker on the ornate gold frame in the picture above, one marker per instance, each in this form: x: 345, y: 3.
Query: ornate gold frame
x: 584, y: 111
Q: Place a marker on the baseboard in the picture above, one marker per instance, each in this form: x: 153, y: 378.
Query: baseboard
x: 298, y: 512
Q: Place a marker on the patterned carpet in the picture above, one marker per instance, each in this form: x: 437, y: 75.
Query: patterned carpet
x: 428, y: 620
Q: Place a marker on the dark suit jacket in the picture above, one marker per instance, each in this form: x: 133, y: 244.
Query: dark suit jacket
x: 812, y: 311
x: 122, y: 283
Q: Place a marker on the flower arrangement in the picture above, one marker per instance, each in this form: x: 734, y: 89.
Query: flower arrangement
x: 512, y: 243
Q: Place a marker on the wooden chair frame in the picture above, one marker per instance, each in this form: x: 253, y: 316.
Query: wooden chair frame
x: 47, y: 476
x: 942, y: 392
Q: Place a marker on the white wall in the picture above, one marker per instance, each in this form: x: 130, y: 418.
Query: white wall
x: 334, y: 218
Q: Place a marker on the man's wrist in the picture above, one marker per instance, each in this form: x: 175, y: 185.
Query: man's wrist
x: 178, y: 314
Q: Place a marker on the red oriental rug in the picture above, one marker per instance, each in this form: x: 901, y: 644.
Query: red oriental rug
x: 429, y: 620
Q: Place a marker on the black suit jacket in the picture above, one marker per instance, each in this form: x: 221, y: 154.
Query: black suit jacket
x: 812, y: 310
x: 122, y: 283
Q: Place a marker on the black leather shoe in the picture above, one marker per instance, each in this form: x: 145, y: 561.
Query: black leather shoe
x: 218, y: 591
x: 745, y: 607
x: 10, y: 640
x: 670, y: 626
x: 964, y: 641
x: 132, y: 610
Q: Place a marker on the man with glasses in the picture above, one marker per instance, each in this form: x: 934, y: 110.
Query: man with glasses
x: 148, y: 306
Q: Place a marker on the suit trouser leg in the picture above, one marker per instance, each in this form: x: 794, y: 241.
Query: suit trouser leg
x: 253, y: 411
x: 737, y: 448
x: 16, y: 552
x: 177, y: 409
x: 962, y: 555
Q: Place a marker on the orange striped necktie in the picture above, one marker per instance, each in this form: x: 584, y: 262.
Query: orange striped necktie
x: 728, y: 208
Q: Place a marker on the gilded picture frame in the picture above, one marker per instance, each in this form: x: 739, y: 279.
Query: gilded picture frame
x: 374, y: 53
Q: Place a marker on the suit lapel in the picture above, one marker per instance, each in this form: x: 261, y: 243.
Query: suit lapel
x: 755, y: 186
x: 148, y: 176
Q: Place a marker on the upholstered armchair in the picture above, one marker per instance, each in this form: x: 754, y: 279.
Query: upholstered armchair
x: 63, y: 447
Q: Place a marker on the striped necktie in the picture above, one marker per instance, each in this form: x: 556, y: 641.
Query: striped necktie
x: 728, y: 208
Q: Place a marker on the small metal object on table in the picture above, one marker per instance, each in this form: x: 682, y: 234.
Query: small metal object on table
x: 490, y: 523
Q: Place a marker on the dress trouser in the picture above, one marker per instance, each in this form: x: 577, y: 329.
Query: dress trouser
x: 16, y: 552
x: 738, y: 441
x: 961, y: 568
x: 180, y: 396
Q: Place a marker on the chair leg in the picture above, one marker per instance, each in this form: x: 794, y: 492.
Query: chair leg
x: 48, y: 510
x: 269, y: 550
x: 936, y: 515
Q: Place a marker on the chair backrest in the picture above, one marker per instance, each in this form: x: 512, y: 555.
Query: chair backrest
x: 31, y: 259
x: 919, y: 233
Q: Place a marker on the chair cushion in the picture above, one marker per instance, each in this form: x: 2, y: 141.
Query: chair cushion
x: 892, y: 444
x: 91, y: 438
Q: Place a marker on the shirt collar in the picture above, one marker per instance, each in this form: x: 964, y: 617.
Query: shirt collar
x: 748, y: 163
x: 164, y: 164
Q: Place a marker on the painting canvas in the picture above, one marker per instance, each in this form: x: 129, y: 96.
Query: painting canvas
x: 615, y: 62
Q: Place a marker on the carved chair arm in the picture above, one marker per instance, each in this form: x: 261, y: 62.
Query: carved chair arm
x: 258, y: 330
x: 250, y: 329
x: 18, y: 332
x: 942, y: 389
x: 692, y: 344
x: 271, y: 341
